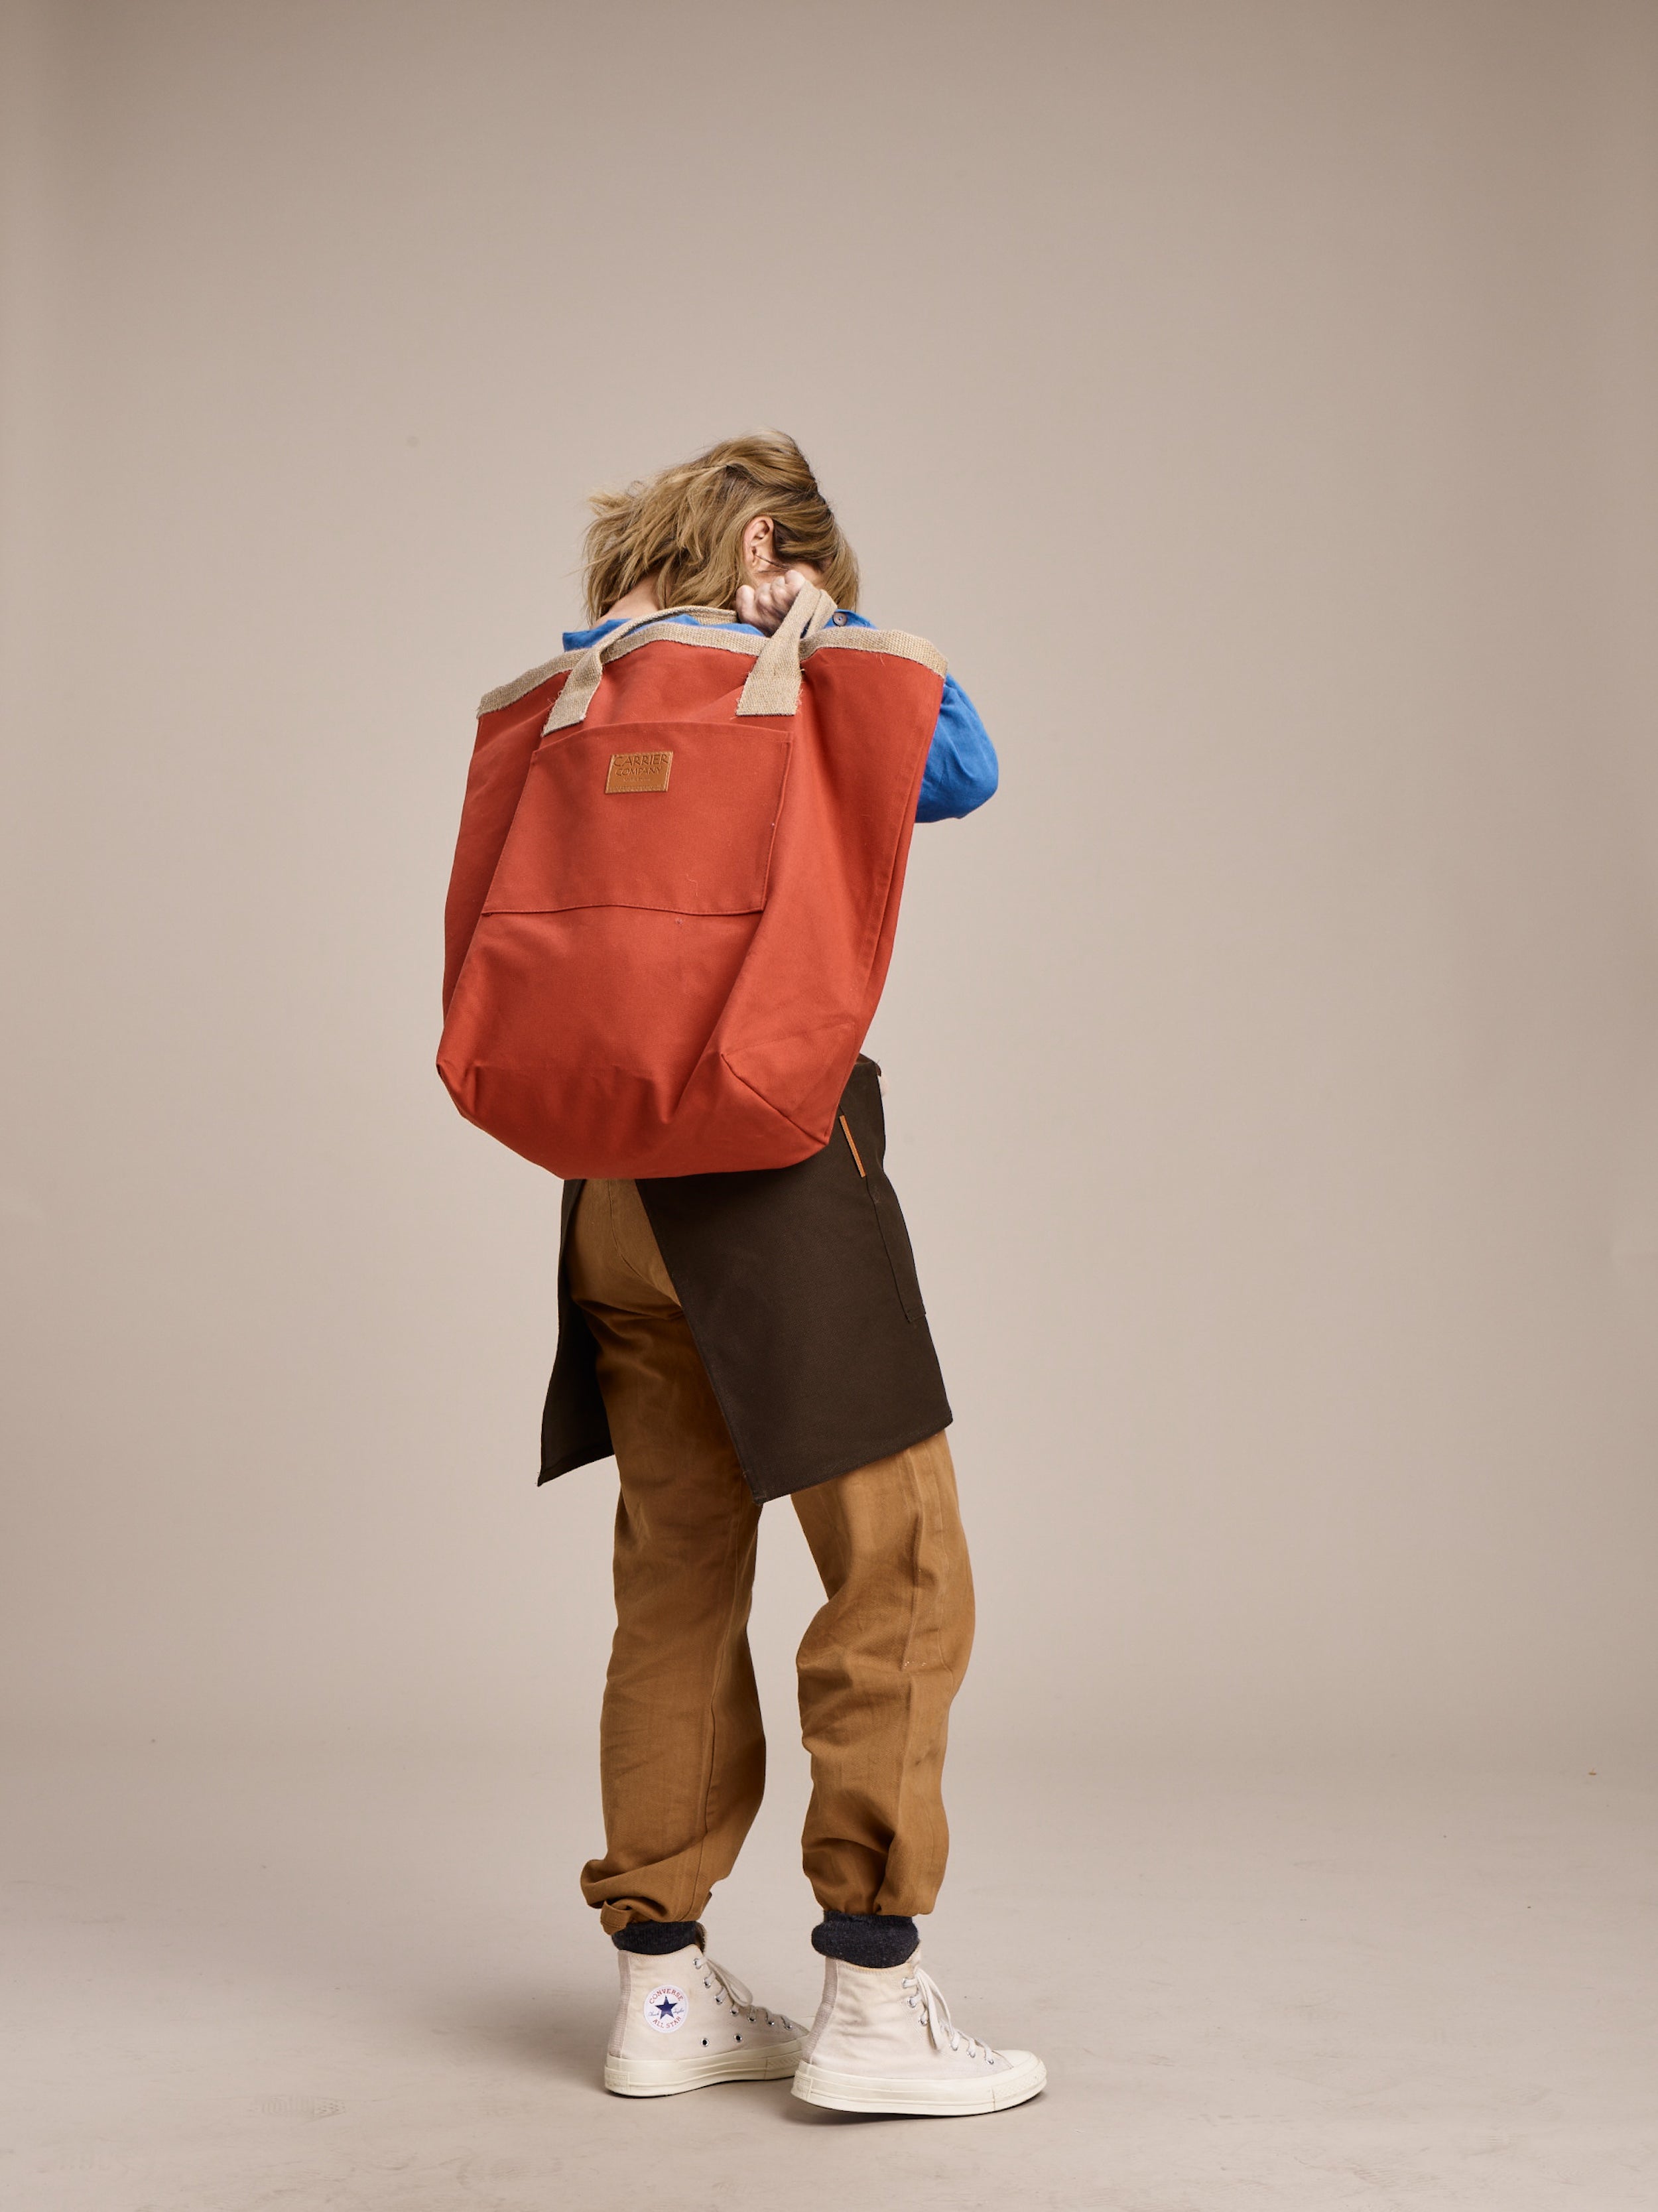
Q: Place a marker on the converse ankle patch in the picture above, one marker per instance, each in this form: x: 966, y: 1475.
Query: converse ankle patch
x: 665, y: 2008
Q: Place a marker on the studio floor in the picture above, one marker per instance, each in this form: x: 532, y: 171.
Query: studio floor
x: 366, y: 1981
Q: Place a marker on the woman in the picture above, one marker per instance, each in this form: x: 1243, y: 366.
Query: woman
x: 738, y: 1337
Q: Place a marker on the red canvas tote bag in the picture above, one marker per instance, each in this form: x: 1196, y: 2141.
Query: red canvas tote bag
x: 676, y: 887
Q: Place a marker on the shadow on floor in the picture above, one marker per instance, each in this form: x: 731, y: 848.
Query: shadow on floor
x: 546, y: 2032
x: 819, y: 2116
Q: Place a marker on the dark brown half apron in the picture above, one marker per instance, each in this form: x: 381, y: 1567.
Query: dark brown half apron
x: 799, y: 1287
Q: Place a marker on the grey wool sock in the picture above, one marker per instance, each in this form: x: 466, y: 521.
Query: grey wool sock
x: 658, y: 1937
x: 867, y: 1939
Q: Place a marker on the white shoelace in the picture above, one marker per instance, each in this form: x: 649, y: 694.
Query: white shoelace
x: 740, y: 1998
x: 936, y: 2012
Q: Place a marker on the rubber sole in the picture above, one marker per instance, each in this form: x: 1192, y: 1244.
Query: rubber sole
x: 670, y: 2077
x: 863, y: 2092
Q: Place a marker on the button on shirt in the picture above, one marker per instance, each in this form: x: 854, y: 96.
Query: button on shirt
x: 960, y: 770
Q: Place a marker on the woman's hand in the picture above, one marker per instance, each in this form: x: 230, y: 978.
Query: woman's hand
x: 763, y: 607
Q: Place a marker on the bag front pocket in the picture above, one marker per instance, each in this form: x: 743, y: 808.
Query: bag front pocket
x: 677, y: 816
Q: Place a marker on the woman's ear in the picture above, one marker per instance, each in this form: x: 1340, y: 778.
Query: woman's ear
x: 756, y: 542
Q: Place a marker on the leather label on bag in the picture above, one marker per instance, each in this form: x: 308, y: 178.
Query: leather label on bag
x: 639, y: 772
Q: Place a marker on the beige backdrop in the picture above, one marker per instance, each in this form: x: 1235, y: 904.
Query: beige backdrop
x: 1255, y: 401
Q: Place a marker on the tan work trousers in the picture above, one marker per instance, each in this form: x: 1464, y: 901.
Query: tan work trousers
x: 682, y: 1752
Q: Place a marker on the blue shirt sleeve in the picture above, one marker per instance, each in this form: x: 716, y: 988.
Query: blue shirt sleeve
x: 960, y: 770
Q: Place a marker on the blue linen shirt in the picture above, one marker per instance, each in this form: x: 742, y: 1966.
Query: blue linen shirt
x: 960, y: 770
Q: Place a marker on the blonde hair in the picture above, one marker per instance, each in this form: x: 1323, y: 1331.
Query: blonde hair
x: 683, y: 528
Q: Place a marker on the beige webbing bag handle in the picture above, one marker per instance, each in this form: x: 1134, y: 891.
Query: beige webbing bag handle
x: 572, y: 701
x: 774, y: 688
x: 774, y: 684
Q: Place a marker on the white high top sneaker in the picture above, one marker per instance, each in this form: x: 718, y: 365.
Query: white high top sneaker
x: 883, y: 2041
x: 683, y: 2022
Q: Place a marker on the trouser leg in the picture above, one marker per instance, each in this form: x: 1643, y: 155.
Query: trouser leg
x: 682, y: 1752
x: 878, y: 1667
